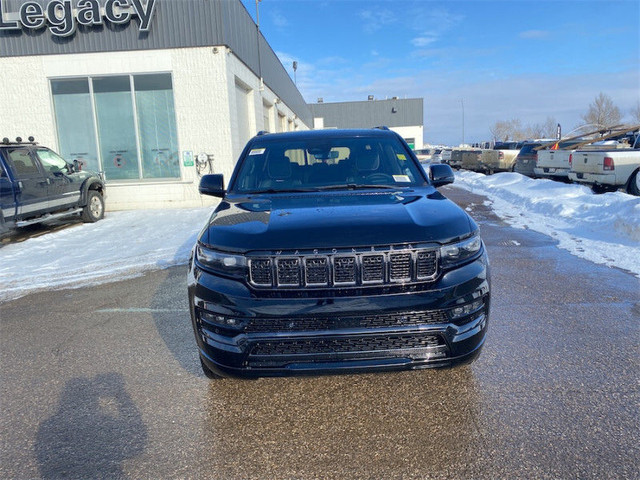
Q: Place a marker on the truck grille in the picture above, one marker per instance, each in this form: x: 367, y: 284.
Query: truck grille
x: 344, y: 344
x: 402, y: 266
x: 381, y: 320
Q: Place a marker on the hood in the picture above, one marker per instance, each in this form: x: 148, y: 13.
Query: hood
x: 335, y: 220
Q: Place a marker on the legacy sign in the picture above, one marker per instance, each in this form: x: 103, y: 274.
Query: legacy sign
x: 62, y: 18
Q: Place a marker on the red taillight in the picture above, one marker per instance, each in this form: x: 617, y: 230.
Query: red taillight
x: 535, y: 157
x: 608, y: 165
x: 570, y: 159
x: 500, y: 155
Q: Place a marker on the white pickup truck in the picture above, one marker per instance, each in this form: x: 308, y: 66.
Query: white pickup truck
x: 553, y: 160
x: 608, y: 170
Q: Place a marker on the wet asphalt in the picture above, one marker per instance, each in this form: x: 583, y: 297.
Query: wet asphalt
x: 104, y: 382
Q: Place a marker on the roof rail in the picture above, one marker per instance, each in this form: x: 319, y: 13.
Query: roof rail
x: 261, y: 132
x: 381, y: 127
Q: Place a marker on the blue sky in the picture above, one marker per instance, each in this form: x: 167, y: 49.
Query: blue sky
x: 512, y: 59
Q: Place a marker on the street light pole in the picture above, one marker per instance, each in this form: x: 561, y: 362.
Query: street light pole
x: 462, y: 102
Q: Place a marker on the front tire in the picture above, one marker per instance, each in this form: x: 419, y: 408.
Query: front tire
x: 94, y: 209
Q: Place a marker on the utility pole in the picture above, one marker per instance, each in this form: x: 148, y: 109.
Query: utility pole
x: 462, y: 102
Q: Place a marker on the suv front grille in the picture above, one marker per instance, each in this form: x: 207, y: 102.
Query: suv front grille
x: 391, y: 266
x: 344, y: 344
x: 379, y: 320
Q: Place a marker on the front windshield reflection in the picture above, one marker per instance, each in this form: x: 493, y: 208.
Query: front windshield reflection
x: 336, y: 163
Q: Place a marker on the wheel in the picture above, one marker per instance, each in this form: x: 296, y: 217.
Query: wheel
x: 207, y: 371
x: 634, y: 184
x: 94, y: 210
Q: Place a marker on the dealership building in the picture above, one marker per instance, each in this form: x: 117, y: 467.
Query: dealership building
x: 155, y: 93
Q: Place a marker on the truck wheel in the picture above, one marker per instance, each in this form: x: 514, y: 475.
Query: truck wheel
x: 94, y: 210
x: 634, y: 184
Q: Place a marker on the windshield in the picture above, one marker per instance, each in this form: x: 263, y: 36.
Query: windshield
x: 295, y: 164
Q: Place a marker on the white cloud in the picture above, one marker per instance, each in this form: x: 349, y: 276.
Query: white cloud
x: 278, y: 19
x: 374, y: 20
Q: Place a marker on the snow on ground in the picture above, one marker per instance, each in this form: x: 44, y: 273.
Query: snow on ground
x: 123, y: 245
x: 602, y: 228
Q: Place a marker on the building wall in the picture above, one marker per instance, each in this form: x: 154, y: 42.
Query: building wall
x: 204, y: 81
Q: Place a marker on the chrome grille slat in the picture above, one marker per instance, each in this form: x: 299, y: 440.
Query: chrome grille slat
x: 337, y: 269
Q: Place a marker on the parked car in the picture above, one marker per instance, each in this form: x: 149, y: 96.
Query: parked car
x: 609, y: 169
x: 357, y: 265
x: 446, y: 155
x: 471, y: 160
x: 528, y: 156
x: 37, y: 185
x: 426, y: 155
x: 501, y: 158
x: 555, y: 163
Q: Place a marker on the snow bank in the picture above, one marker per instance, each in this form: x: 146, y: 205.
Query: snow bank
x: 122, y: 245
x: 602, y: 228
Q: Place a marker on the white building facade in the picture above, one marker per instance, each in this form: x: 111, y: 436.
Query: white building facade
x: 151, y: 109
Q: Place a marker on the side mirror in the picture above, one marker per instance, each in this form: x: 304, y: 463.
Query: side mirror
x: 212, y: 184
x: 440, y: 174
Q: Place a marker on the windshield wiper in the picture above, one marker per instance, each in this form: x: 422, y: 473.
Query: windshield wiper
x: 353, y: 186
x: 284, y: 190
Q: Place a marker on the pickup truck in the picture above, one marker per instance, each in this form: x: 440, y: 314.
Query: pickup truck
x: 607, y: 170
x: 502, y: 158
x: 553, y: 160
x: 471, y: 160
x: 37, y: 185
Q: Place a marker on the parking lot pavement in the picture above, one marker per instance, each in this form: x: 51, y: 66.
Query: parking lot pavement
x: 104, y: 382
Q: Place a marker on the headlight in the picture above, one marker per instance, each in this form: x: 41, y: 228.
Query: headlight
x: 225, y: 263
x: 460, y: 251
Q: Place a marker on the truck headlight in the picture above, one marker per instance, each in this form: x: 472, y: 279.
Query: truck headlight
x: 221, y: 262
x: 460, y: 251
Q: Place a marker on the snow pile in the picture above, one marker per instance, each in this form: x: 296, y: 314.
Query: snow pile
x: 604, y: 228
x: 122, y: 245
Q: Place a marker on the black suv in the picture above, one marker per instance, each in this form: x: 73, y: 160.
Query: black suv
x: 331, y: 251
x: 37, y: 185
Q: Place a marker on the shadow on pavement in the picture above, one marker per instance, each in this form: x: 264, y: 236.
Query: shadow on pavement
x: 170, y: 307
x: 97, y: 427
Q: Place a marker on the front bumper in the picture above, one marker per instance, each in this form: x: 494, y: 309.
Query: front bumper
x: 242, y: 333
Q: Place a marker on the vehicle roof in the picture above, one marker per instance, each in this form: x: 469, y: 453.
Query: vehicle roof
x: 327, y: 133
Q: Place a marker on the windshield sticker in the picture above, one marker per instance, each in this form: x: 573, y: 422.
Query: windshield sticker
x: 402, y: 178
x: 401, y: 156
x: 257, y: 151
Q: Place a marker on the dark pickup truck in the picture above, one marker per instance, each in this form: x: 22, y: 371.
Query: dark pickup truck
x: 37, y: 185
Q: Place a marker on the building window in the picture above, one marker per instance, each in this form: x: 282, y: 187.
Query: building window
x: 75, y: 121
x: 123, y: 125
x: 158, y: 134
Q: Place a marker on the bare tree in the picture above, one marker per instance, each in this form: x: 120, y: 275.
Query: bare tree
x: 635, y: 113
x: 547, y: 129
x: 602, y: 112
x: 504, y: 130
